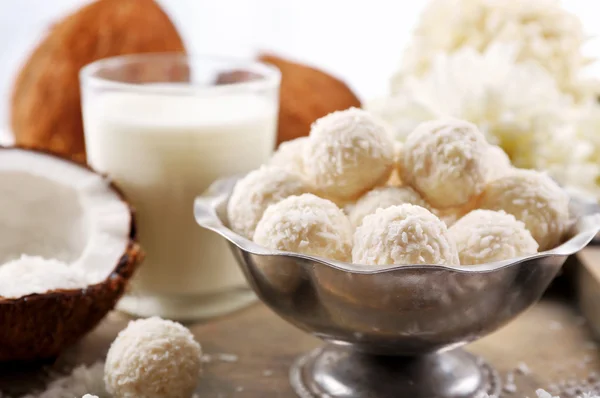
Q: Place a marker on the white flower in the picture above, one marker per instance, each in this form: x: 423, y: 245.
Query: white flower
x: 541, y: 31
x: 517, y: 105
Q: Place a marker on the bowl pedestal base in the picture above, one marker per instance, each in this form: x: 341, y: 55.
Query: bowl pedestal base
x: 338, y: 371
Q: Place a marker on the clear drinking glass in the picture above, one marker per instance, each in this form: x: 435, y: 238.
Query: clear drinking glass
x: 164, y: 126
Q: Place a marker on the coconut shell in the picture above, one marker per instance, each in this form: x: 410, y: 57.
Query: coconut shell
x: 236, y: 76
x: 46, y: 110
x: 306, y: 95
x: 39, y: 327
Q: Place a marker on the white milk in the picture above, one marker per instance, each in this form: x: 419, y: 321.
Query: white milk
x: 163, y: 151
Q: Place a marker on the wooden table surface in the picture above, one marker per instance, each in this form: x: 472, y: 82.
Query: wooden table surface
x: 551, y: 339
x: 251, y: 351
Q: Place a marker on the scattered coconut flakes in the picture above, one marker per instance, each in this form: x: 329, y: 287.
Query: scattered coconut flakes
x: 589, y: 387
x: 223, y: 357
x: 543, y: 394
x: 510, y: 386
x: 555, y: 325
x: 34, y: 274
x: 552, y: 388
x: 80, y: 382
x: 523, y: 369
x: 206, y: 358
x: 227, y: 357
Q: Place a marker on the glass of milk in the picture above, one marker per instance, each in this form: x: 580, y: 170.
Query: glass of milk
x: 164, y: 127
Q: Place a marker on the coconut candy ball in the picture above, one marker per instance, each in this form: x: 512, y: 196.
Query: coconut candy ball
x: 533, y: 198
x: 485, y: 236
x: 499, y: 163
x: 306, y: 224
x: 398, y: 152
x: 348, y: 153
x: 452, y: 214
x: 403, y: 235
x: 397, y: 172
x: 288, y: 155
x: 256, y: 191
x: 381, y: 198
x: 153, y: 358
x: 444, y: 160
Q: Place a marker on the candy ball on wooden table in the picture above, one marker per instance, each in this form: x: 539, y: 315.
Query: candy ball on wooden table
x: 306, y: 224
x: 401, y: 235
x: 256, y: 191
x: 348, y: 153
x: 381, y: 198
x: 533, y: 198
x: 445, y: 161
x: 153, y: 358
x: 289, y: 155
x: 485, y: 236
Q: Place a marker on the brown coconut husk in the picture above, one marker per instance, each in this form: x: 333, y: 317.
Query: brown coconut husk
x: 306, y: 95
x: 46, y: 110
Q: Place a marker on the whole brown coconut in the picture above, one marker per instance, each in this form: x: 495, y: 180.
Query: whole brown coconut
x: 46, y: 110
x: 38, y: 327
x: 306, y: 95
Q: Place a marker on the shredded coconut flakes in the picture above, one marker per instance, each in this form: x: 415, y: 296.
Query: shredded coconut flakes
x: 83, y: 380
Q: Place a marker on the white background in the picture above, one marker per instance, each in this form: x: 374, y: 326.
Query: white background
x: 358, y: 40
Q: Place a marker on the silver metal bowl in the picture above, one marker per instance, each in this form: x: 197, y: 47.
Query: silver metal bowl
x: 392, y: 331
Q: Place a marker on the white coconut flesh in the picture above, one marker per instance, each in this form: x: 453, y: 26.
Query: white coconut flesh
x: 62, y: 226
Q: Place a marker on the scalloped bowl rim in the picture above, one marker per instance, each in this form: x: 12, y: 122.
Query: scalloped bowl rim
x: 205, y: 212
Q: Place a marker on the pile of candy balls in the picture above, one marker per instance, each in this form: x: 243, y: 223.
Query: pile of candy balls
x: 349, y: 192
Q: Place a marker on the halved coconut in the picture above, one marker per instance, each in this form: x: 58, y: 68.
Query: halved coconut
x: 58, y: 215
